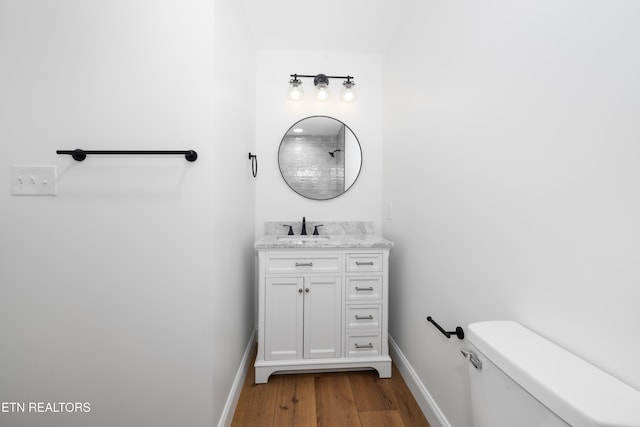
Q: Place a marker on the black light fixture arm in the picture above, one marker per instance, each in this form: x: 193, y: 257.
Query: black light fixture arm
x: 295, y: 76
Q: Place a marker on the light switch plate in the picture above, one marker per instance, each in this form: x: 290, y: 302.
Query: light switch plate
x: 33, y: 180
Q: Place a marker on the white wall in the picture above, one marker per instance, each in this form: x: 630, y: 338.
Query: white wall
x: 232, y: 196
x: 511, y: 164
x: 132, y: 288
x: 275, y: 201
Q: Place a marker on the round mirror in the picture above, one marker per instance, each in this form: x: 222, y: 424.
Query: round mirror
x: 320, y: 157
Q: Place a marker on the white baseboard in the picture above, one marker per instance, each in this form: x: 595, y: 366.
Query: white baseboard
x: 238, y: 381
x: 429, y: 407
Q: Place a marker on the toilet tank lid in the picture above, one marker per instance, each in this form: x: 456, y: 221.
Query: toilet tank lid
x: 576, y: 391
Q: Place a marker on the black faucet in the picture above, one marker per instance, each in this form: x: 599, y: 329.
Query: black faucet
x: 290, y: 233
x: 303, y: 232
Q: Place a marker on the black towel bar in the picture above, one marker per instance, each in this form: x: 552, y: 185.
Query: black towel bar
x: 458, y: 332
x: 80, y: 155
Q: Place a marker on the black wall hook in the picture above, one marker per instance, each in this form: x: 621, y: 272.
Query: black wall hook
x: 458, y: 332
x: 254, y: 164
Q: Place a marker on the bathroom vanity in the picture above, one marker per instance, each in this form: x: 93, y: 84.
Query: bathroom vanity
x: 322, y: 303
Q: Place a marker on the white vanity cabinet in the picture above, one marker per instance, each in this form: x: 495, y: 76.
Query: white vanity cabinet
x: 322, y: 309
x: 303, y: 317
x: 365, y: 304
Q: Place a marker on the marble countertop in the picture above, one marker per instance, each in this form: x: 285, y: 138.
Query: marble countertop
x: 338, y: 241
x: 326, y: 228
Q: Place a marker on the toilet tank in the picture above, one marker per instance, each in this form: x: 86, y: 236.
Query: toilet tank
x: 524, y: 380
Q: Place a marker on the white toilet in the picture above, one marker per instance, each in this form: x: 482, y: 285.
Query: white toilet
x: 520, y: 379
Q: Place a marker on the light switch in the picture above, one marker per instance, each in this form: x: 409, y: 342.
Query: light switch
x: 33, y: 180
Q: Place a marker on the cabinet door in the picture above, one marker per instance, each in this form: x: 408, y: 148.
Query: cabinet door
x: 322, y: 317
x: 283, y: 322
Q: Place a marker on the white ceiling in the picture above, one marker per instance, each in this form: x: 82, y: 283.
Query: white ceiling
x: 330, y: 25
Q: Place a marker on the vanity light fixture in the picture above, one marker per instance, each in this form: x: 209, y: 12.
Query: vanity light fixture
x: 348, y: 93
x: 295, y: 92
x: 321, y: 83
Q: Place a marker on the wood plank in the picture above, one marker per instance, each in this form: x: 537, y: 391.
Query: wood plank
x: 367, y: 392
x: 403, y: 400
x: 389, y: 418
x: 296, y: 401
x: 358, y: 399
x: 256, y: 402
x: 334, y: 402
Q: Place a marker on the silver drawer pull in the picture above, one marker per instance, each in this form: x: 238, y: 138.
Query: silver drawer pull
x: 304, y: 264
x: 364, y: 346
x: 369, y: 317
x: 370, y: 288
x: 364, y: 263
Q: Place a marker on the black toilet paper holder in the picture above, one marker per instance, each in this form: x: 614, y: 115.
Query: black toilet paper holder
x: 458, y: 332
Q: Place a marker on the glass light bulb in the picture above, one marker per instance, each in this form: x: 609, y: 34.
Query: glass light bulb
x: 295, y: 92
x: 322, y: 92
x: 348, y: 94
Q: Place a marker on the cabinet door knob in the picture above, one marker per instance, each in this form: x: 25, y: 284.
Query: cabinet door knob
x: 300, y: 290
x: 306, y: 290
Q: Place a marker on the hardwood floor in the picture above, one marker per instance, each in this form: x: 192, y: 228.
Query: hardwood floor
x: 335, y: 399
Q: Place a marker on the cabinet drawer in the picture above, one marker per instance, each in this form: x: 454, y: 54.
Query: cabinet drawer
x: 363, y: 345
x: 363, y: 317
x: 364, y: 262
x: 364, y: 288
x: 302, y: 263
